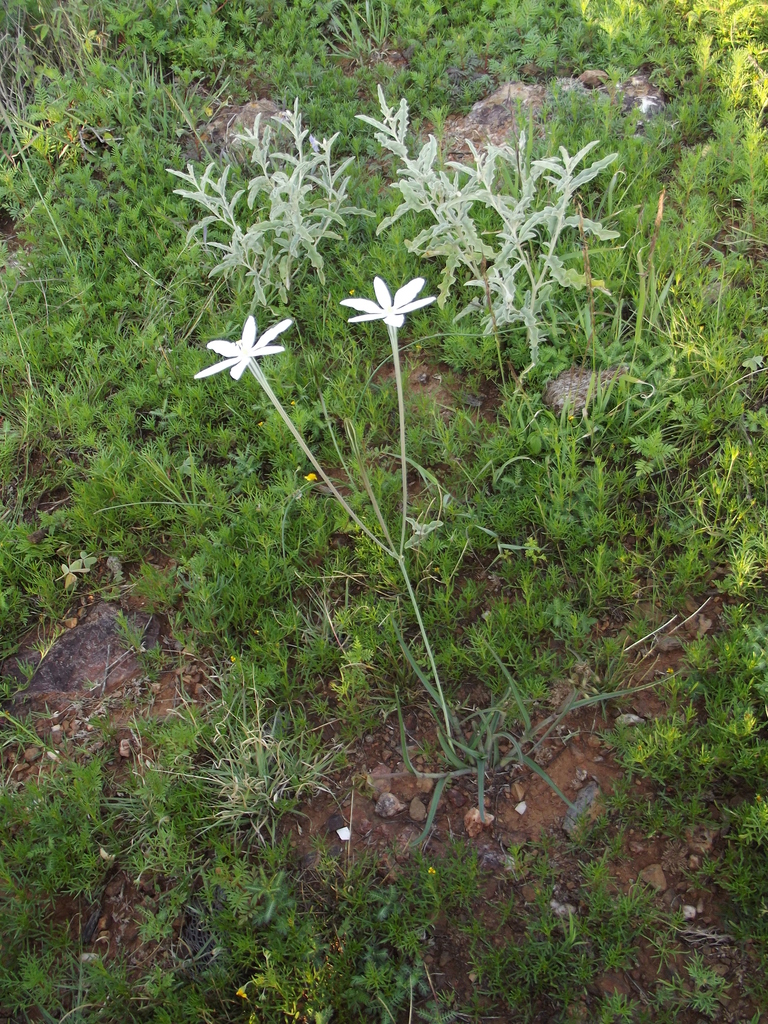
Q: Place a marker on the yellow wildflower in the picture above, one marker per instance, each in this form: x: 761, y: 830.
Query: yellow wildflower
x: 242, y: 993
x: 311, y: 477
x: 431, y: 871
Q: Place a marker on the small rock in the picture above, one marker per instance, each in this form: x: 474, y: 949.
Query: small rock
x: 125, y: 748
x: 528, y: 893
x: 309, y: 860
x: 654, y: 876
x: 638, y: 92
x: 689, y: 912
x: 378, y: 779
x: 576, y: 387
x: 417, y: 811
x: 583, y: 805
x: 425, y: 785
x: 700, y: 907
x: 334, y: 823
x: 492, y: 858
x: 593, y: 741
x: 344, y: 834
x: 694, y: 861
x: 69, y: 623
x: 562, y: 909
x: 115, y: 566
x: 522, y: 807
x: 388, y: 805
x: 32, y: 754
x: 629, y: 720
x: 474, y: 823
x: 369, y: 738
x: 88, y: 958
x: 457, y: 798
x: 518, y: 791
x: 593, y: 79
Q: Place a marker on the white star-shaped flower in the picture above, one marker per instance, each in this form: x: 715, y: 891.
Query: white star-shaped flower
x: 390, y: 310
x: 238, y: 354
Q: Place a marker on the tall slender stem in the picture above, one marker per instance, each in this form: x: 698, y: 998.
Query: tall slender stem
x: 258, y: 373
x: 401, y: 410
x: 428, y: 647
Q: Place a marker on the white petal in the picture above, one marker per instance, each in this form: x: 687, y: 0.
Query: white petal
x: 224, y: 348
x: 409, y: 308
x: 267, y: 350
x: 238, y: 369
x: 394, y: 319
x: 381, y: 315
x: 273, y: 332
x: 216, y: 368
x: 382, y: 293
x: 408, y: 292
x: 249, y: 333
x: 364, y: 305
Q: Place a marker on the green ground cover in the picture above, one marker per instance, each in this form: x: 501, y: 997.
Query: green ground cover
x: 596, y: 529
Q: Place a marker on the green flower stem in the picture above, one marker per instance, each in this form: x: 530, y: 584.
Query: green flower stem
x: 258, y: 373
x: 401, y: 410
x: 428, y: 647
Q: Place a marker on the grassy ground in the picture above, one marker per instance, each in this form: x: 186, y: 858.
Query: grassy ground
x: 654, y: 502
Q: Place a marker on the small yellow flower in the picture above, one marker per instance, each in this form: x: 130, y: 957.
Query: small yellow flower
x: 758, y: 798
x: 242, y: 993
x: 260, y: 423
x: 670, y: 671
x: 351, y: 291
x: 293, y: 403
x: 232, y: 657
x: 208, y: 111
x: 311, y: 477
x: 431, y: 871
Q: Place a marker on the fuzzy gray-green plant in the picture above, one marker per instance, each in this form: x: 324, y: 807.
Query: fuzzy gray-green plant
x: 518, y: 273
x: 295, y: 200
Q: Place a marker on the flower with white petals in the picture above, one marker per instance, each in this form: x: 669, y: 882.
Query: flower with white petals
x: 390, y: 310
x: 238, y: 354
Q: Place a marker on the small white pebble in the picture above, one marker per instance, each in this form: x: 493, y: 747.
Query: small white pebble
x: 522, y: 807
x: 689, y: 912
x: 344, y: 834
x: 53, y: 755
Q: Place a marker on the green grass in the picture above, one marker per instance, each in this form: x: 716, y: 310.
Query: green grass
x: 612, y: 521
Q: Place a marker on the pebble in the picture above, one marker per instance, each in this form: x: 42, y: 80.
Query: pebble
x: 377, y: 779
x: 689, y: 912
x: 522, y: 807
x: 335, y: 822
x: 629, y: 720
x: 654, y: 876
x: 425, y: 785
x: 562, y: 909
x: 474, y: 824
x: 593, y: 741
x: 125, y: 748
x: 518, y: 791
x: 388, y: 805
x: 32, y: 754
x: 581, y: 806
x: 457, y: 798
x: 417, y: 811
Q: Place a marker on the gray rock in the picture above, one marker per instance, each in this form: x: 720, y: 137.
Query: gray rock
x: 388, y: 805
x: 582, y: 807
x: 629, y: 719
